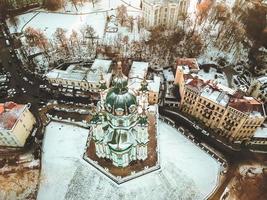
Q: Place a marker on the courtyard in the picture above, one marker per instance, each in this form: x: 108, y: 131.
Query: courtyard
x: 187, y: 172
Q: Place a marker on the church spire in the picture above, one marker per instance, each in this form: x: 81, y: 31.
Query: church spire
x: 144, y: 85
x: 119, y: 68
x: 120, y: 81
x: 102, y: 82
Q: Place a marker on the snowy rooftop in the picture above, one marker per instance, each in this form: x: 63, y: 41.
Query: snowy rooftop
x: 137, y: 74
x: 226, y: 96
x: 263, y: 79
x: 9, y: 114
x: 154, y: 85
x: 190, y: 63
x: 219, y: 97
x: 138, y: 70
x: 68, y: 74
x: 226, y: 89
x: 94, y: 77
x: 65, y: 175
x: 134, y: 84
x: 261, y: 132
x: 248, y: 105
x: 184, y: 68
x: 79, y: 73
x: 213, y: 75
x: 168, y: 75
x: 99, y: 66
x: 103, y: 65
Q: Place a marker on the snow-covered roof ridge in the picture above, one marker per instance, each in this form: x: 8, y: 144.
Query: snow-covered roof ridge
x: 154, y: 85
x: 137, y: 74
x: 79, y: 73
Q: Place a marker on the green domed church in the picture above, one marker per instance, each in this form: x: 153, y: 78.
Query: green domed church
x: 120, y: 126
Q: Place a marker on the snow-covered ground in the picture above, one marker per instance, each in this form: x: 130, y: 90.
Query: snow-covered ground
x: 221, y: 77
x: 70, y: 19
x: 62, y: 152
x: 261, y: 132
x: 186, y: 172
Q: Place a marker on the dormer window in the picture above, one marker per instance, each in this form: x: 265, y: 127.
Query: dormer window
x: 132, y: 108
x: 108, y: 107
x: 119, y: 111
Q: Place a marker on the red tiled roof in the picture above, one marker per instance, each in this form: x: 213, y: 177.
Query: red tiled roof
x: 9, y: 114
x: 246, y: 105
x: 190, y: 62
x: 196, y: 83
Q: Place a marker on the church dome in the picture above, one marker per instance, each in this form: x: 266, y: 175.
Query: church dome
x: 120, y: 102
x: 120, y: 81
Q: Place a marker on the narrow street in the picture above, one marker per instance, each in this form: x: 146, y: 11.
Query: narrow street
x: 17, y: 81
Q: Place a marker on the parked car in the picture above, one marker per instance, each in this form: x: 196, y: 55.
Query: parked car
x: 7, y: 43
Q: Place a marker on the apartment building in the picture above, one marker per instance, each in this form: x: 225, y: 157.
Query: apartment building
x: 163, y: 12
x: 153, y: 90
x: 82, y: 77
x: 16, y: 124
x: 137, y: 81
x: 228, y: 112
x: 258, y: 88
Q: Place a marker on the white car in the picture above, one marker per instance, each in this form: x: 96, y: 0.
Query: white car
x: 205, y: 132
x: 7, y: 43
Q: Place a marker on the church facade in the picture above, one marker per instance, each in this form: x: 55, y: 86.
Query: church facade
x: 120, y: 124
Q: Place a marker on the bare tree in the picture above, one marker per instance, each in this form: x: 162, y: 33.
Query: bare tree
x: 14, y: 21
x: 60, y: 36
x: 36, y: 38
x: 88, y: 32
x: 131, y: 21
x: 221, y: 13
x: 122, y: 15
x: 77, y: 2
x: 74, y: 40
x: 184, y: 16
x: 53, y: 4
x: 140, y: 23
x: 203, y: 9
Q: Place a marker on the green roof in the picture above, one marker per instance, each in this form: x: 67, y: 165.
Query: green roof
x: 117, y: 99
x: 143, y: 120
x: 97, y: 118
x: 102, y: 86
x: 144, y: 87
x: 120, y: 81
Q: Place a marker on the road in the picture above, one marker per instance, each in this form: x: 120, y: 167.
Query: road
x: 17, y: 82
x: 233, y: 158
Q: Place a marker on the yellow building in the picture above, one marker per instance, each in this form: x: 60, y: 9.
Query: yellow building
x: 16, y: 124
x: 157, y: 12
x: 137, y: 81
x: 226, y: 111
x: 153, y: 90
x: 258, y: 88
